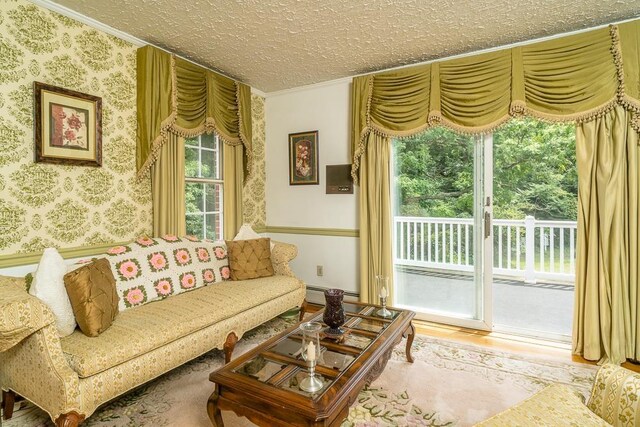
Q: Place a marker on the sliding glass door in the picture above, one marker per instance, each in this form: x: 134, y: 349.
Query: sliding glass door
x: 459, y: 262
x: 535, y: 195
x: 441, y: 244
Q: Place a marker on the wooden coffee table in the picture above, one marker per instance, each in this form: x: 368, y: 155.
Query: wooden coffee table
x: 262, y: 384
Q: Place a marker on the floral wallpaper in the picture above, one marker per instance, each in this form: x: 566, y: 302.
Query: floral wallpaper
x: 43, y: 205
x: 253, y: 203
x: 66, y: 206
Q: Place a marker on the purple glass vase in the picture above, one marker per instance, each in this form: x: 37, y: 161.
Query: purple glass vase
x: 333, y: 311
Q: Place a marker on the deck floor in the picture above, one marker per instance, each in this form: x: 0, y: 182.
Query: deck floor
x: 538, y: 308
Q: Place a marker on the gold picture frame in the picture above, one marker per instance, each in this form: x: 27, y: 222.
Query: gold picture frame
x: 68, y: 126
x: 303, y: 158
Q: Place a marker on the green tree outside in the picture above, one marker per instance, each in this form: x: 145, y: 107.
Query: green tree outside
x: 201, y: 197
x: 534, y: 172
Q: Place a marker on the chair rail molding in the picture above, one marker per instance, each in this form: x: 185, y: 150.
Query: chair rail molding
x: 336, y: 232
x: 16, y: 260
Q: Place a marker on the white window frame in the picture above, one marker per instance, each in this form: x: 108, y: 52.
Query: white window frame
x: 217, y: 150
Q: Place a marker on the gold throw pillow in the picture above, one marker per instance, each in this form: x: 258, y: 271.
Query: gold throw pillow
x: 249, y: 259
x: 93, y: 296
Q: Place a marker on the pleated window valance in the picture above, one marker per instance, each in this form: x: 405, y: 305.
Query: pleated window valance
x: 177, y: 96
x: 574, y: 78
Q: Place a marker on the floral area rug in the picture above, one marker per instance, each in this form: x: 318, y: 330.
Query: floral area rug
x: 449, y: 384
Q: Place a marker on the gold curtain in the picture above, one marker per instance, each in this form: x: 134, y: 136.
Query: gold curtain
x: 232, y: 158
x: 178, y: 98
x: 154, y: 102
x: 167, y: 186
x: 175, y: 95
x: 574, y: 78
x: 606, y: 322
x: 375, y: 218
x: 592, y: 79
x: 629, y: 56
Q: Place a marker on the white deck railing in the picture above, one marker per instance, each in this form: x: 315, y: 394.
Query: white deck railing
x: 525, y: 249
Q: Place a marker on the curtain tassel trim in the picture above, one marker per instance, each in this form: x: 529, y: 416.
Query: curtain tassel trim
x: 243, y: 138
x: 625, y: 100
x: 355, y: 166
x: 165, y: 127
x: 517, y: 108
x: 169, y: 125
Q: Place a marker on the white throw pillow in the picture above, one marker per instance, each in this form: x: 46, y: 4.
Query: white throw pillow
x: 48, y: 286
x: 247, y: 233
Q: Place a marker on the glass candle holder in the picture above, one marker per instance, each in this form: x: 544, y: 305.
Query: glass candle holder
x: 310, y: 334
x: 383, y: 293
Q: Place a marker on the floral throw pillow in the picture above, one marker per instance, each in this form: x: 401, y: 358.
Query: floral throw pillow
x: 150, y: 269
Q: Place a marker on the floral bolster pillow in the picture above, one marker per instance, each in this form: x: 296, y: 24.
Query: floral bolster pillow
x: 150, y: 269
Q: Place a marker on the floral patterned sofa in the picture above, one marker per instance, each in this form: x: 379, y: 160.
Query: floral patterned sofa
x: 614, y: 401
x: 70, y: 377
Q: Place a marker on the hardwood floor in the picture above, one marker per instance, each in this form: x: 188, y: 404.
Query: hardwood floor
x: 499, y: 341
x: 506, y: 342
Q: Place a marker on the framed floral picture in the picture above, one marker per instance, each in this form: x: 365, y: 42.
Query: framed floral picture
x: 68, y: 126
x: 303, y: 158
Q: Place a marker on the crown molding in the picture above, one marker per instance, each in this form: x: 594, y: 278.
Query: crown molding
x: 258, y: 92
x: 501, y: 47
x: 343, y: 80
x: 63, y: 10
x: 49, y: 4
x: 312, y: 86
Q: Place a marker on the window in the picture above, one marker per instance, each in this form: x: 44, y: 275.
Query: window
x: 485, y: 227
x: 203, y: 186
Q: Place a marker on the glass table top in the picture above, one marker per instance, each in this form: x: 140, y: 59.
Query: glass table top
x: 281, y: 365
x: 353, y: 308
x: 260, y: 368
x: 371, y: 325
x: 288, y: 347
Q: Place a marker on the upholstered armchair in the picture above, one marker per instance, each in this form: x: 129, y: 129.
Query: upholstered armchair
x: 614, y: 401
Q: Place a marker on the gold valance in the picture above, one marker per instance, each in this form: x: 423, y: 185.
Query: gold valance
x: 574, y: 78
x: 177, y: 96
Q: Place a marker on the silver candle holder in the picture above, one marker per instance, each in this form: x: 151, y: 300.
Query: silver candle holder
x: 383, y: 312
x: 312, y: 383
x: 383, y: 289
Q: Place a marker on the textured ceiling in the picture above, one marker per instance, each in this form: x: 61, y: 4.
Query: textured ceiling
x: 279, y: 44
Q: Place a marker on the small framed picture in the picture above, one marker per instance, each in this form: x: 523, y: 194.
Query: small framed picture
x: 68, y: 126
x: 303, y: 158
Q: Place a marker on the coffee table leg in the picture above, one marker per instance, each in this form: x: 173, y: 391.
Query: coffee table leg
x: 303, y: 310
x: 213, y: 410
x: 411, y: 333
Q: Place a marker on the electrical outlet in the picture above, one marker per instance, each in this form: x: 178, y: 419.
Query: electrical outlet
x: 319, y: 270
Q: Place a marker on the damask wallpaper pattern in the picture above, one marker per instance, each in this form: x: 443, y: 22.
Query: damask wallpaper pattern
x: 44, y: 205
x: 66, y: 206
x: 253, y: 203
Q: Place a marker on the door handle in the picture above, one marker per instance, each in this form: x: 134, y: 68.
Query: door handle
x: 487, y: 224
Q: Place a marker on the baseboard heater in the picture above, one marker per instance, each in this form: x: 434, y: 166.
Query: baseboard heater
x: 322, y: 289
